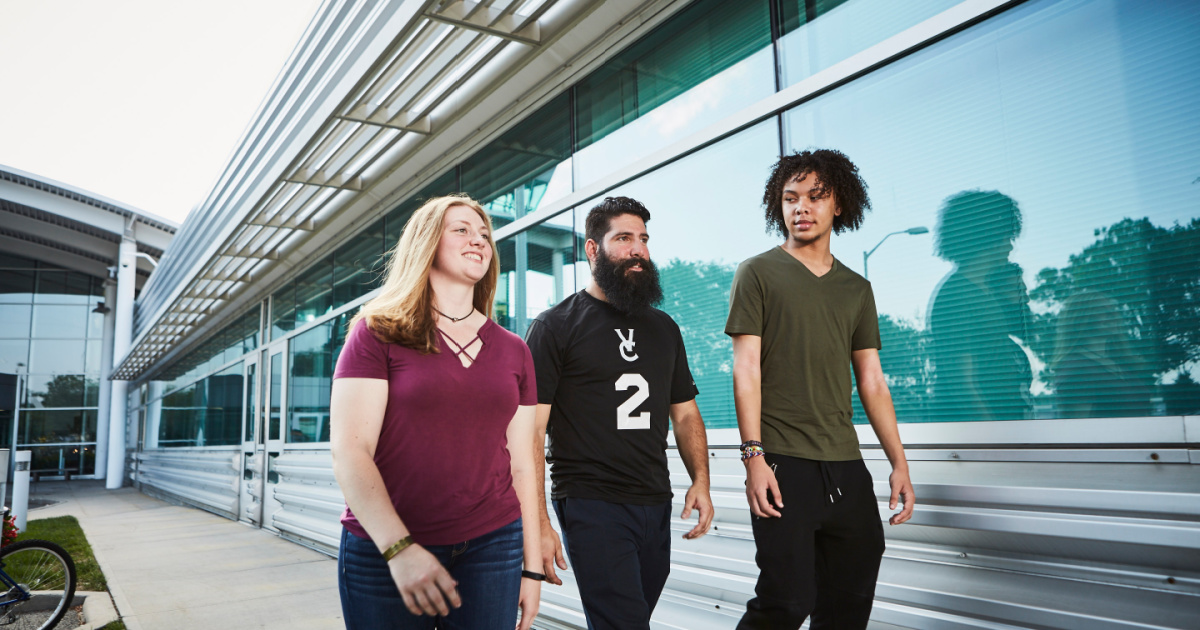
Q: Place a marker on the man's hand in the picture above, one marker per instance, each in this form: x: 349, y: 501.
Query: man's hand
x: 902, y: 491
x: 760, y: 480
x: 698, y: 498
x: 423, y: 582
x: 552, y: 553
x: 531, y: 597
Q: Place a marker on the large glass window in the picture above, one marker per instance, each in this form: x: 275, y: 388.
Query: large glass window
x: 525, y: 167
x: 396, y: 219
x: 1051, y: 152
x: 536, y: 271
x: 48, y: 332
x: 358, y: 265
x: 229, y: 343
x: 311, y: 362
x: 703, y: 64
x: 817, y: 34
x: 705, y: 219
x: 205, y: 413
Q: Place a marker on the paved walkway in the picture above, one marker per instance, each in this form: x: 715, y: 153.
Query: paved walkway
x: 175, y: 567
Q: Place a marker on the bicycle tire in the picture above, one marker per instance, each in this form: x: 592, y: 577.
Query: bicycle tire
x: 46, y: 570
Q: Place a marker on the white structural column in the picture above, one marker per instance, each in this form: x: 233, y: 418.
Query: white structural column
x: 122, y: 336
x: 106, y: 360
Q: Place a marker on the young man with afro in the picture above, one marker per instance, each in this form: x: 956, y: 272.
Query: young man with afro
x: 800, y: 322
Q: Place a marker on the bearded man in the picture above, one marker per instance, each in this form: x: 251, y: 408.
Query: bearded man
x: 611, y: 369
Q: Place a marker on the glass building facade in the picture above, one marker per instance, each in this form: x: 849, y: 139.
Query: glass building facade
x: 1049, y: 152
x: 51, y: 333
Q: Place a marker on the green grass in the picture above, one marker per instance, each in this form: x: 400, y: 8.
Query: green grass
x: 116, y: 625
x: 65, y: 531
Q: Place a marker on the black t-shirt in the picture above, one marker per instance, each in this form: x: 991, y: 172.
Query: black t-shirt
x: 611, y: 379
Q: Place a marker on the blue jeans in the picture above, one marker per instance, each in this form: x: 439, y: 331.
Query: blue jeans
x: 487, y: 568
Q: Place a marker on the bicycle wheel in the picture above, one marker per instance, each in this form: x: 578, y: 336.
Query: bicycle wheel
x: 46, y: 571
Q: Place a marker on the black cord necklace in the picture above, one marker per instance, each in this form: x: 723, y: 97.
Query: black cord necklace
x: 454, y: 319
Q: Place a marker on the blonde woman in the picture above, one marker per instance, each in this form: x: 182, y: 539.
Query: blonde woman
x: 432, y: 417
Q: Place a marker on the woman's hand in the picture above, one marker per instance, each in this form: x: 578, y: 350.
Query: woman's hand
x: 531, y: 597
x: 424, y: 583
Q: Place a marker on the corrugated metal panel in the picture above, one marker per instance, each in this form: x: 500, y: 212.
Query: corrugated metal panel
x: 206, y: 478
x: 991, y: 545
x: 999, y: 540
x: 312, y: 502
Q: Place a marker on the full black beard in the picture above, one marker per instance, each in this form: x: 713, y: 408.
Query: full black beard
x: 628, y: 293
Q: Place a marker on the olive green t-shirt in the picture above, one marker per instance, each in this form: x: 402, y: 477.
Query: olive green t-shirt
x: 809, y: 326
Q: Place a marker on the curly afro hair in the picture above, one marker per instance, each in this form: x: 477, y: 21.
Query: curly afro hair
x: 835, y: 173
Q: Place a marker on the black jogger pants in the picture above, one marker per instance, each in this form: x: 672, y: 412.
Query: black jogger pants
x: 821, y: 558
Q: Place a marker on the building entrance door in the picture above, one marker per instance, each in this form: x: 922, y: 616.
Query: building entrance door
x: 262, y: 438
x: 250, y: 500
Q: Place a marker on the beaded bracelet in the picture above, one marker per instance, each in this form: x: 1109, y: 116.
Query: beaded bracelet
x: 749, y: 454
x: 752, y: 448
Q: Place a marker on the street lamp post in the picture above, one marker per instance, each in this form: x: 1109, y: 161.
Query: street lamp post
x: 866, y: 255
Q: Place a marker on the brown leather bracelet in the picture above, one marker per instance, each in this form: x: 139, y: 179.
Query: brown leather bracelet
x: 397, y: 547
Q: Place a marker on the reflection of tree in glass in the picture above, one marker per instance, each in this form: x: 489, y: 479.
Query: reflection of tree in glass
x: 696, y: 295
x: 904, y: 357
x: 63, y: 391
x: 1096, y: 371
x: 979, y: 315
x: 1152, y: 277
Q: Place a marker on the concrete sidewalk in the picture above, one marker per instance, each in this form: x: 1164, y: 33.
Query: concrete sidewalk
x: 175, y: 567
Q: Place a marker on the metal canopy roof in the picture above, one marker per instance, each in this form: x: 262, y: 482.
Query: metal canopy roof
x: 73, y: 228
x: 375, y: 94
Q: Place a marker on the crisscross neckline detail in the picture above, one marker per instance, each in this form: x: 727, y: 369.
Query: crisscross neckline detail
x: 460, y: 350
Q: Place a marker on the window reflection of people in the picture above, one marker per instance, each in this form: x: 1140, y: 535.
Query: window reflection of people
x: 1096, y: 372
x: 979, y: 314
x: 429, y: 399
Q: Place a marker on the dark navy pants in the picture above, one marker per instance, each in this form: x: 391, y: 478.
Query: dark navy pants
x: 621, y: 556
x: 821, y: 558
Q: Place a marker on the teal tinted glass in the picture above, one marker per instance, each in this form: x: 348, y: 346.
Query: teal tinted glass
x: 183, y: 414
x: 311, y: 362
x: 314, y: 291
x: 62, y: 460
x: 697, y: 248
x: 283, y: 310
x: 445, y: 184
x: 1050, y: 152
x: 536, y: 271
x: 523, y: 168
x: 817, y: 34
x: 227, y: 344
x: 223, y: 417
x: 358, y: 265
x: 708, y: 61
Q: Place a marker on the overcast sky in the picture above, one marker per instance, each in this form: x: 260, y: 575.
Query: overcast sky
x: 141, y: 101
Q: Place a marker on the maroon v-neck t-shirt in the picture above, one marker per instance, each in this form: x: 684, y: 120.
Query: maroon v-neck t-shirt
x: 443, y: 450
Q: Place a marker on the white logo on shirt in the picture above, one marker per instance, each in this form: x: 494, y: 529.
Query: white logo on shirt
x: 627, y: 345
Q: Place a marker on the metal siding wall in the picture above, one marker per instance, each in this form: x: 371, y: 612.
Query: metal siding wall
x: 312, y: 502
x: 993, y: 544
x: 205, y: 478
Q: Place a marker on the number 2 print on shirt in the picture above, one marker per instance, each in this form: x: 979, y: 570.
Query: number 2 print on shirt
x: 641, y: 389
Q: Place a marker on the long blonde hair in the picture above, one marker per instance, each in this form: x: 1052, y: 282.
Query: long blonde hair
x: 402, y: 313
